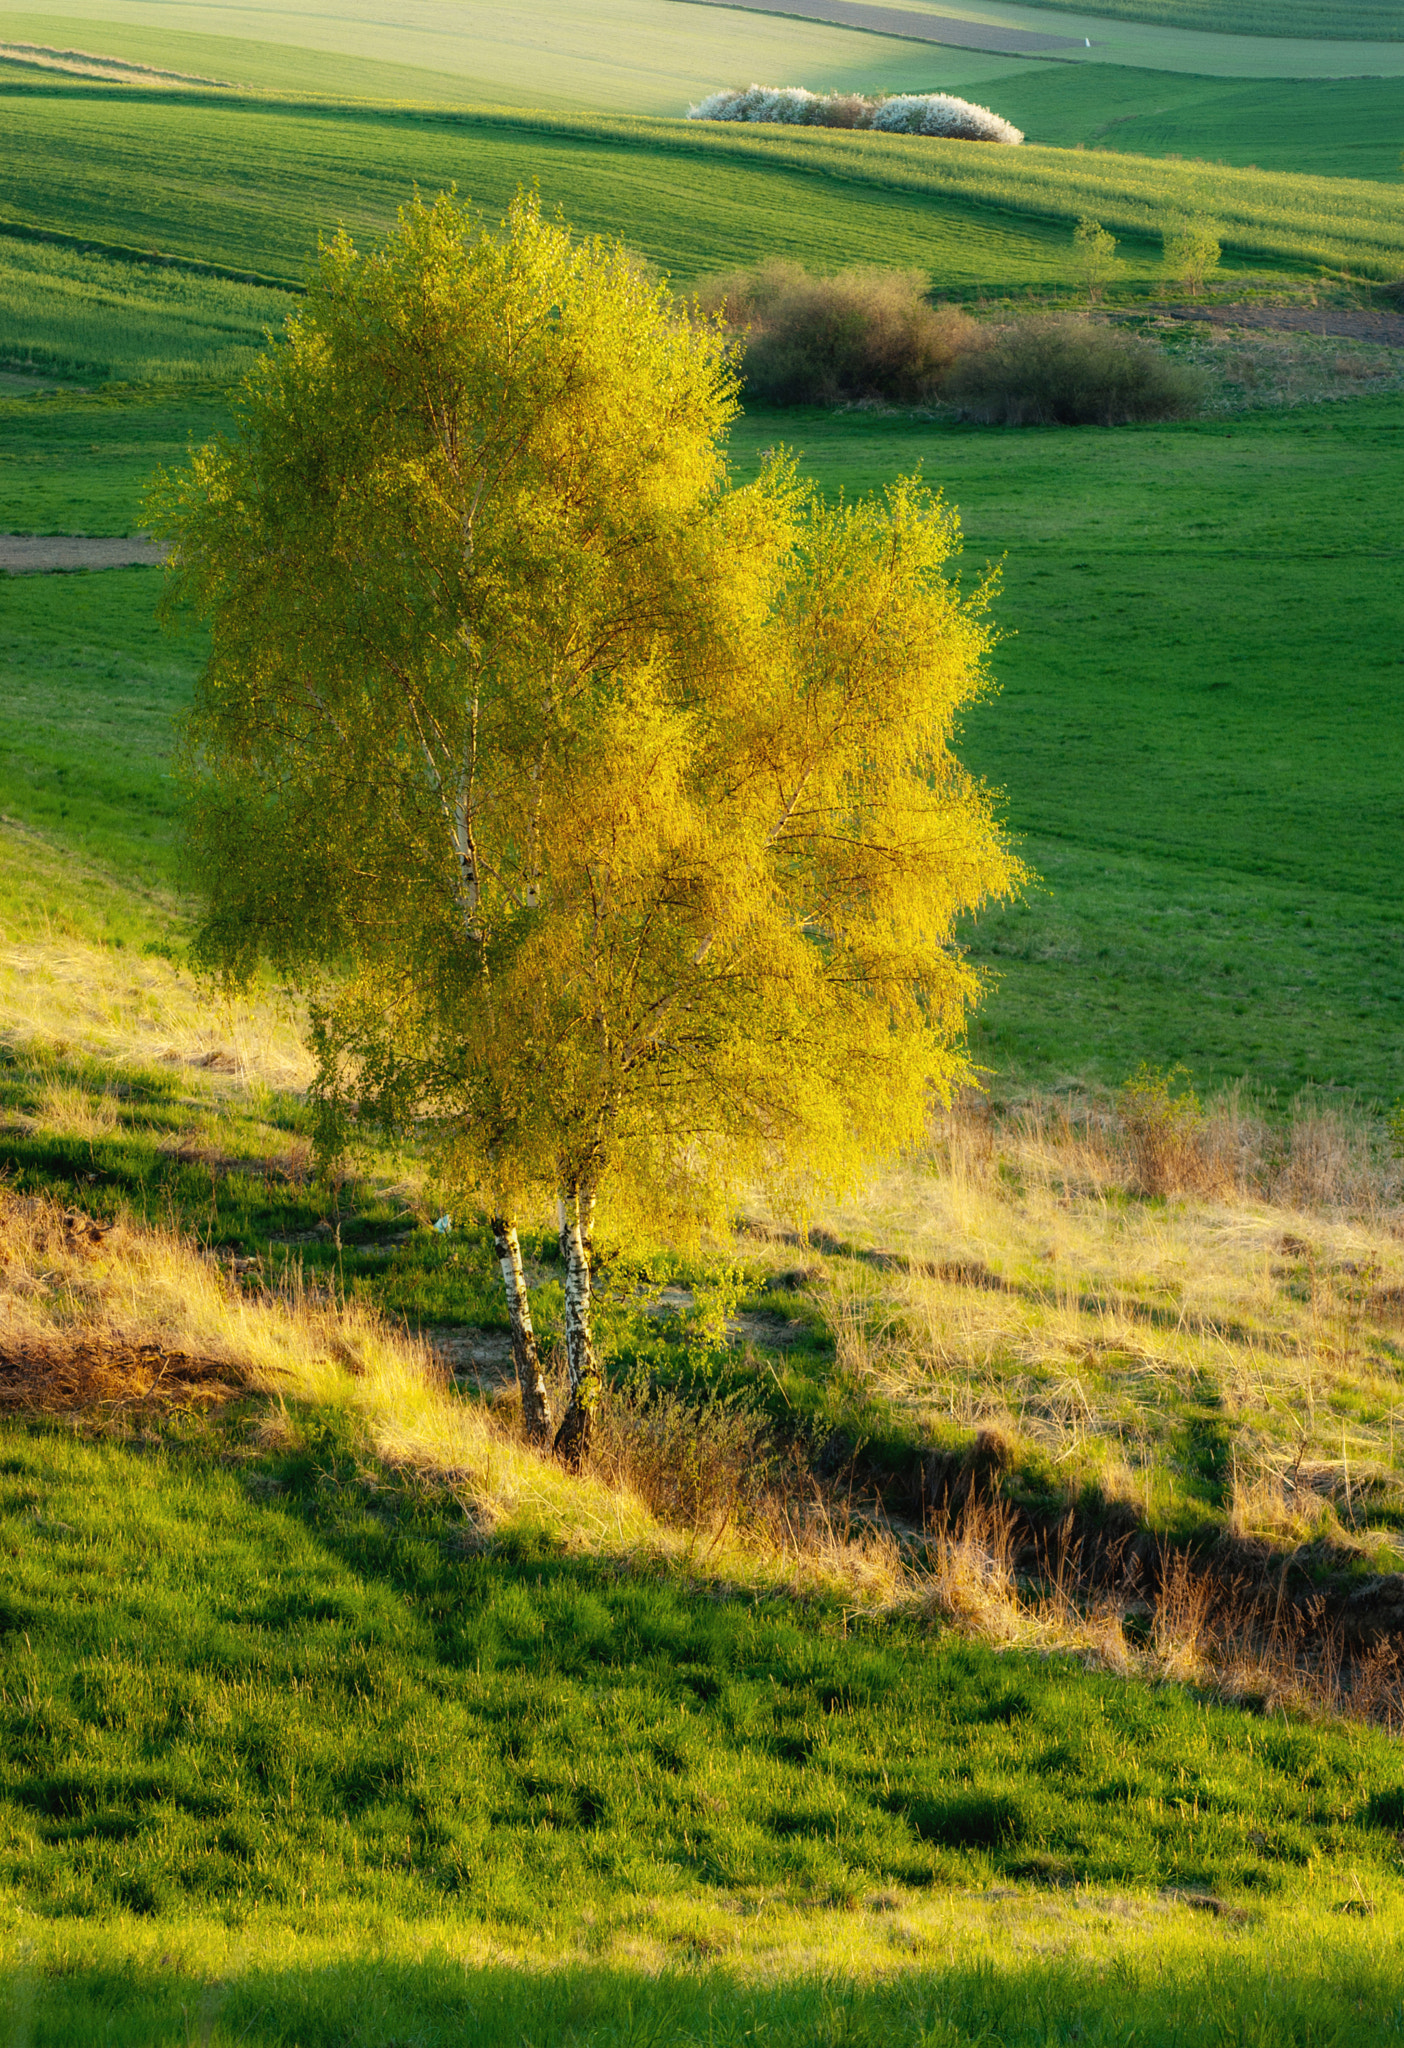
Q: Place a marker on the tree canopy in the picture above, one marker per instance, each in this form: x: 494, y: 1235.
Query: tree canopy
x: 606, y: 809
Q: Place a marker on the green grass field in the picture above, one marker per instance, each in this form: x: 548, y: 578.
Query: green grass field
x: 81, y: 315
x: 258, y: 1702
x: 1177, y: 600
x: 637, y: 56
x: 301, y: 1744
x: 1339, y: 128
x: 1171, y: 596
x: 627, y: 56
x: 128, y: 171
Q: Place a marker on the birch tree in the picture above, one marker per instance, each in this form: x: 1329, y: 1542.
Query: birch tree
x: 756, y: 972
x: 607, y: 811
x: 464, y: 507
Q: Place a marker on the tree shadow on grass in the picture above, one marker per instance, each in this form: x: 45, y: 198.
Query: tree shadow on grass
x: 1348, y: 1992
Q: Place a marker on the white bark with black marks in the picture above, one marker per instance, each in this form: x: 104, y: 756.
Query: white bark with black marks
x: 536, y: 1402
x: 576, y: 1213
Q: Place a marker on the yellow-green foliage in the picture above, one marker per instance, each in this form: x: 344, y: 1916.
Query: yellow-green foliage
x: 1192, y: 250
x: 1096, y: 254
x: 625, y: 795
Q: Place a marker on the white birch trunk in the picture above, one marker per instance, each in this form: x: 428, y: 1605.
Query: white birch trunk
x: 573, y: 1437
x: 536, y: 1402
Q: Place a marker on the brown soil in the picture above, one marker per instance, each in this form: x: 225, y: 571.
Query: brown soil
x: 913, y: 28
x: 1343, y: 323
x: 35, y: 554
x: 60, y: 1379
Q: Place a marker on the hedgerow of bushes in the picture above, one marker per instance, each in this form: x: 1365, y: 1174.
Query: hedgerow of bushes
x: 869, y: 334
x: 1070, y: 372
x: 826, y: 340
x: 906, y: 113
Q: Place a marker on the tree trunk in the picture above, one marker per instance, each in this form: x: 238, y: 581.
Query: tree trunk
x: 573, y: 1437
x: 536, y: 1404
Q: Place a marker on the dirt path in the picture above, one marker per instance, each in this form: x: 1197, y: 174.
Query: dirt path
x: 35, y: 554
x: 913, y: 28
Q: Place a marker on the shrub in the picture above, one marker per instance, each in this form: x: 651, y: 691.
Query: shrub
x: 821, y: 340
x: 696, y: 1465
x: 908, y: 113
x: 1164, y: 1131
x: 1071, y: 372
x: 936, y: 113
x: 1095, y: 254
x: 1192, y: 251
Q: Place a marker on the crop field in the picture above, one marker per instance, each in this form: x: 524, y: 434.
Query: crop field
x: 655, y: 56
x: 624, y: 56
x: 82, y: 315
x: 128, y: 172
x: 1338, y: 128
x: 1352, y: 20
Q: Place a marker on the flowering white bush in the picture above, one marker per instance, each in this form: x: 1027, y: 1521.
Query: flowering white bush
x: 908, y: 113
x: 789, y: 103
x: 936, y: 113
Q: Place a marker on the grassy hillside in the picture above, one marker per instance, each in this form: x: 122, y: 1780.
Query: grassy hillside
x: 1178, y: 599
x: 286, y: 1748
x: 627, y: 56
x: 84, y: 315
x: 654, y: 56
x: 128, y: 171
x: 1339, y: 128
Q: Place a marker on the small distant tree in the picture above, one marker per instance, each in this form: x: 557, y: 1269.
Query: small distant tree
x: 1094, y: 250
x: 606, y: 811
x: 1192, y: 251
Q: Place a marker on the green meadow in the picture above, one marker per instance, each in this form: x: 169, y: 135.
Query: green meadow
x: 128, y: 171
x: 1174, y: 601
x: 290, y: 1755
x: 1351, y: 20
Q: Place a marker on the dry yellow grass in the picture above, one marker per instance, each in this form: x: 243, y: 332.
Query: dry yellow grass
x: 65, y: 994
x: 132, y: 1289
x: 1007, y: 1280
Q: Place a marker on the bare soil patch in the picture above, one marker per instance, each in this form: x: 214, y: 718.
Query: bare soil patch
x: 1341, y: 323
x: 37, y: 554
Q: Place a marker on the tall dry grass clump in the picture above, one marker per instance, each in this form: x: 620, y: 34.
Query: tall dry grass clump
x: 863, y: 334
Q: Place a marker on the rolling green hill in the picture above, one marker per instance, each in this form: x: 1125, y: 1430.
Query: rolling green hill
x: 129, y: 171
